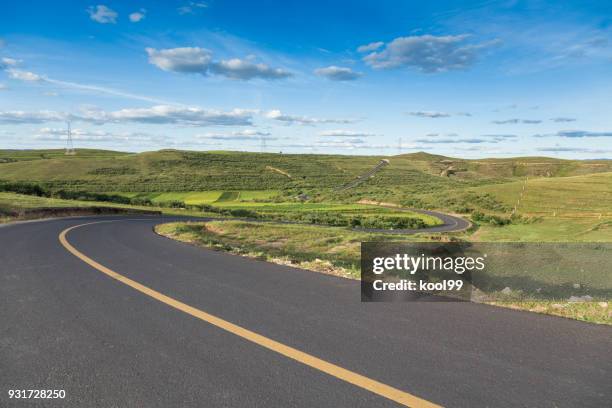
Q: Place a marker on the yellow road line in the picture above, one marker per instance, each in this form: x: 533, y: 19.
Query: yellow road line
x: 351, y: 377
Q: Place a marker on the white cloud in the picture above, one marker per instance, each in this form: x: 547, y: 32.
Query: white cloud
x: 7, y: 62
x: 102, y: 14
x: 344, y: 133
x: 302, y: 120
x: 243, y: 135
x: 354, y: 143
x: 191, y: 7
x: 160, y: 114
x: 199, y: 60
x: 184, y: 59
x: 59, y: 134
x: 577, y: 134
x: 251, y: 132
x: 516, y: 121
x: 563, y: 119
x: 23, y: 117
x: 166, y: 114
x: 137, y: 16
x: 33, y: 77
x: 430, y: 114
x: 3, y: 87
x: 373, y: 46
x: 453, y: 141
x: 236, y: 68
x: 428, y: 53
x: 24, y: 75
x: 558, y: 149
x: 338, y: 73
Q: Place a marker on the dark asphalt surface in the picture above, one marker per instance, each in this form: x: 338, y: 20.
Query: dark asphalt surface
x: 65, y: 325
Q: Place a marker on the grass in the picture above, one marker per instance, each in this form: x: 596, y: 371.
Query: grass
x: 10, y: 203
x: 578, y: 196
x: 557, y: 229
x: 181, y: 171
x: 337, y: 251
x: 228, y: 196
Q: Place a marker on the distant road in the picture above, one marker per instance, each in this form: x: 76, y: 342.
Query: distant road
x: 139, y: 320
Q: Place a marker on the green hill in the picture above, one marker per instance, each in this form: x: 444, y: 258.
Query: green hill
x: 174, y: 171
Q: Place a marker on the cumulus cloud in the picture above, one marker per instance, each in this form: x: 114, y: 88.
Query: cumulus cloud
x: 344, y: 133
x: 184, y: 59
x: 428, y: 53
x: 338, y: 73
x: 373, y: 46
x: 577, y: 134
x: 200, y: 60
x: 302, y: 120
x: 236, y: 68
x: 102, y: 14
x: 563, y: 119
x: 137, y: 16
x: 516, y: 121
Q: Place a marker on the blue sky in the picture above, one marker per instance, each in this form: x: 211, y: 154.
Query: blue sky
x: 460, y: 78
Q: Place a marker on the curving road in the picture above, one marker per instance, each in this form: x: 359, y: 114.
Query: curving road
x: 150, y: 322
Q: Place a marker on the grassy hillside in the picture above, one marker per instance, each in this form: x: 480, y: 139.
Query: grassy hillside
x: 174, y: 171
x: 268, y: 184
x: 7, y: 156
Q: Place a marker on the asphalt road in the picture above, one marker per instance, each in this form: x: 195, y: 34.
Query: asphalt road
x: 66, y: 325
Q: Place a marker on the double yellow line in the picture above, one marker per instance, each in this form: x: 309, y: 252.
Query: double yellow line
x: 351, y: 377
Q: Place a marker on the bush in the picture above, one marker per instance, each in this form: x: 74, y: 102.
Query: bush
x: 24, y: 188
x: 496, y: 220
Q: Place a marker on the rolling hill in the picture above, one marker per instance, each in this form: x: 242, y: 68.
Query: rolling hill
x: 173, y: 171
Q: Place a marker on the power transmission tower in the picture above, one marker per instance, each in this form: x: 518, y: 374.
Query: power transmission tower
x: 69, y: 147
x: 399, y: 146
x: 263, y: 144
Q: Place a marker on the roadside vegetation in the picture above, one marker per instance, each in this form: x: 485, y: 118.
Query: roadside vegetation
x: 336, y: 251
